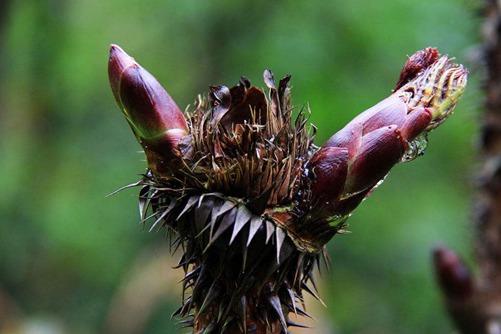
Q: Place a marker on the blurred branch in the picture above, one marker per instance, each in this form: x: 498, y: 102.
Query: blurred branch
x: 475, y: 307
x: 463, y: 301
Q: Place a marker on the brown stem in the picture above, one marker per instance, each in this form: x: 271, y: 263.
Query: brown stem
x: 489, y: 211
x: 480, y: 312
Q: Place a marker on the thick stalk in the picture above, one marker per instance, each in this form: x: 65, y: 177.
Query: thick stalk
x: 479, y: 312
x: 489, y: 213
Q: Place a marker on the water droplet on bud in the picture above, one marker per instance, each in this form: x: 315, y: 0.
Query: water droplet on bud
x: 416, y: 148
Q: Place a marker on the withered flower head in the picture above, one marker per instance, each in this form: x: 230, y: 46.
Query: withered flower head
x: 247, y: 195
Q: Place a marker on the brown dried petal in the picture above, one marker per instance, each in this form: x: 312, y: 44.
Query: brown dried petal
x: 238, y: 91
x: 254, y: 101
x: 220, y: 101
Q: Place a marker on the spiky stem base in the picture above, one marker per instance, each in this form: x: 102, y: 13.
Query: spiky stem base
x: 244, y: 273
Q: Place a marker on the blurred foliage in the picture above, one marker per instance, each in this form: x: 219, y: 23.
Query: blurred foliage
x: 66, y: 249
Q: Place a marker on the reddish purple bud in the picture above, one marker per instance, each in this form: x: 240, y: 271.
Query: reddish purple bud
x: 349, y: 137
x: 154, y: 117
x: 379, y: 152
x: 148, y: 105
x: 117, y: 64
x: 415, y: 123
x: 415, y: 64
x: 452, y: 274
x: 330, y: 170
x: 145, y: 103
x: 347, y: 204
x: 390, y: 111
x: 375, y: 141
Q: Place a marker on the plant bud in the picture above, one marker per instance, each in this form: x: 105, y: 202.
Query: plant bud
x: 248, y: 197
x: 452, y: 274
x: 394, y: 130
x: 154, y: 117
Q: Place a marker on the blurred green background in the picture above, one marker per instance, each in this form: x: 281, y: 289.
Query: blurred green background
x: 75, y: 261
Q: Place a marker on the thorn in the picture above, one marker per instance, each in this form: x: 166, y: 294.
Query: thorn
x: 176, y: 312
x: 242, y: 312
x: 202, y: 212
x: 212, y: 221
x: 143, y: 200
x: 209, y: 329
x: 132, y: 185
x: 255, y: 223
x: 295, y: 324
x: 313, y: 281
x: 212, y: 294
x: 192, y: 274
x: 181, y: 262
x: 277, y: 306
x: 244, y: 256
x: 299, y: 266
x: 305, y: 287
x: 327, y: 260
x: 185, y: 323
x: 303, y: 313
x: 270, y: 229
x: 226, y: 324
x: 162, y: 216
x: 293, y: 300
x: 222, y: 210
x: 280, y: 236
x: 226, y: 222
x: 191, y: 202
x: 242, y: 218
